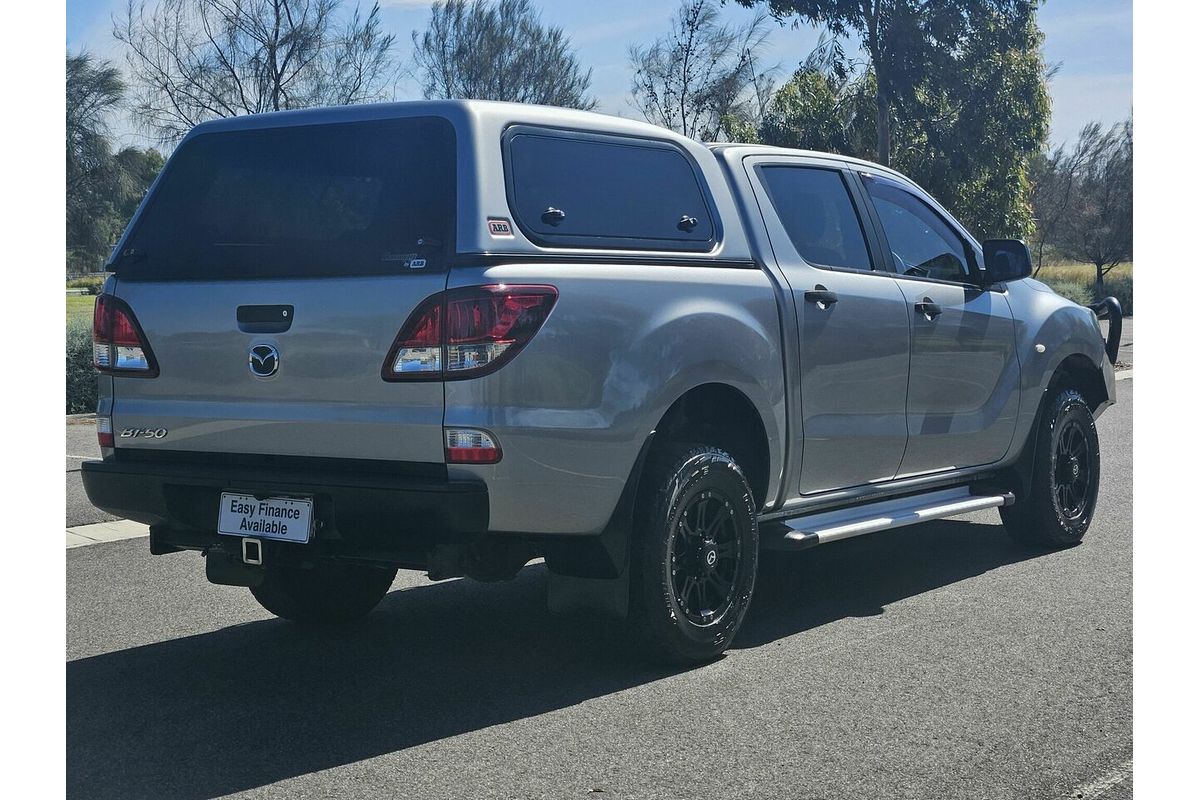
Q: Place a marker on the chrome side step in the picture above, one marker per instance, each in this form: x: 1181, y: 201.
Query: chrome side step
x: 828, y: 526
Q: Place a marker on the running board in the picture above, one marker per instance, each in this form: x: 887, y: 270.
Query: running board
x: 828, y: 526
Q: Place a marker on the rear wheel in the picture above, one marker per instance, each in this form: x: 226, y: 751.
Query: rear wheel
x: 1066, y: 476
x: 328, y: 593
x: 695, y: 555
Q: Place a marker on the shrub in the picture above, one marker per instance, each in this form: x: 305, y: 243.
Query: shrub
x: 1075, y: 292
x: 92, y: 283
x: 1122, y: 289
x: 81, y: 377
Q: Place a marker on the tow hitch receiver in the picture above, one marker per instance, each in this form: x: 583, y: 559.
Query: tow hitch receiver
x: 252, y: 552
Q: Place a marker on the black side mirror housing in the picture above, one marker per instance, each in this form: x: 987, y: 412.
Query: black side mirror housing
x: 1006, y: 260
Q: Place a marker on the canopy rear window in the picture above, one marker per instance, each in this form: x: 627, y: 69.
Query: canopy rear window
x: 343, y: 199
x: 587, y: 190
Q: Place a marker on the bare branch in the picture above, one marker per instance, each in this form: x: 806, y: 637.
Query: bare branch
x: 192, y: 60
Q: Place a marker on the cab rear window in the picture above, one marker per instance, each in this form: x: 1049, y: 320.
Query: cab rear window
x: 341, y: 199
x: 586, y: 190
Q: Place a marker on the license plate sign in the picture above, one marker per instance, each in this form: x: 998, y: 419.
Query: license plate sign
x: 285, y: 518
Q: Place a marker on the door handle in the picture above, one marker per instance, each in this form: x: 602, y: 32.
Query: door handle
x: 929, y: 308
x: 821, y: 296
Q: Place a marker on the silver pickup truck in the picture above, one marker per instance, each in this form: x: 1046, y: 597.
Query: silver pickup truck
x: 460, y: 336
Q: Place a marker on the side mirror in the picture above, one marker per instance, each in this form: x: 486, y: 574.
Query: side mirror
x: 1006, y: 260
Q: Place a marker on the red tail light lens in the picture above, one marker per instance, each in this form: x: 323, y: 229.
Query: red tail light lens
x: 465, y: 333
x: 104, y: 431
x: 118, y: 345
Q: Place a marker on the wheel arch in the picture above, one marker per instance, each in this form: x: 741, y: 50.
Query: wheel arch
x: 1078, y: 371
x: 1075, y: 371
x: 723, y: 416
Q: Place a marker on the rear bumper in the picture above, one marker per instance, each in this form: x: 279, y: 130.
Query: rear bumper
x: 357, y: 511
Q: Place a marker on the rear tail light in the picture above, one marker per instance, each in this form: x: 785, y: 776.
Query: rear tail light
x: 104, y: 431
x: 471, y: 446
x: 465, y: 333
x: 118, y: 345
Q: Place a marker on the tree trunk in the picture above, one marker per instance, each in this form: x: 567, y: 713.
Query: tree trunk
x: 883, y: 128
x: 883, y: 116
x: 1098, y: 291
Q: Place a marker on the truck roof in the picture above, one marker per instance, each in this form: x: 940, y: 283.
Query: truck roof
x: 734, y: 150
x: 485, y: 112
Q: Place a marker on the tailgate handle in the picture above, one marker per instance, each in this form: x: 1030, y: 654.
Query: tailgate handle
x: 265, y: 319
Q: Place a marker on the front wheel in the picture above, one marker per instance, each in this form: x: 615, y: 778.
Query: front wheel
x: 695, y: 555
x: 327, y: 593
x: 1066, y: 477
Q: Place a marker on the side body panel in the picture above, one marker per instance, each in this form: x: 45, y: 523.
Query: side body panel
x: 623, y: 343
x: 1039, y: 316
x: 851, y: 362
x: 1064, y: 329
x: 854, y: 365
x: 964, y: 378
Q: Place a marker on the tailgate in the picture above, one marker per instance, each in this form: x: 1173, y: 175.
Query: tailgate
x: 270, y: 270
x: 326, y: 397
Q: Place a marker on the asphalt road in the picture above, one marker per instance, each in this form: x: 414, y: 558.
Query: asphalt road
x: 939, y: 661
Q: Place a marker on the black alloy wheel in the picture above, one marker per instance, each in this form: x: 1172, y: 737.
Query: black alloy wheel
x: 705, y: 555
x: 1072, y: 470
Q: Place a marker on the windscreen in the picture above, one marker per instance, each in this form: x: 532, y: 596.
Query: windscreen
x: 344, y: 199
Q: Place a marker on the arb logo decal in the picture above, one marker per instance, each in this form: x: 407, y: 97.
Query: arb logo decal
x: 499, y: 227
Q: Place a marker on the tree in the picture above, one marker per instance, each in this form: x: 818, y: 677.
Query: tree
x: 702, y: 78
x: 194, y: 60
x: 903, y: 39
x: 824, y: 106
x: 967, y: 130
x: 1097, y: 224
x: 498, y: 51
x: 103, y: 188
x: 93, y: 90
x: 978, y: 117
x: 1055, y: 176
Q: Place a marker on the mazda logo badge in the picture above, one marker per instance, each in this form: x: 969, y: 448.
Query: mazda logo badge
x: 264, y: 360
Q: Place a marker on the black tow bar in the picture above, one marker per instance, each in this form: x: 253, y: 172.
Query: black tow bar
x: 1110, y: 309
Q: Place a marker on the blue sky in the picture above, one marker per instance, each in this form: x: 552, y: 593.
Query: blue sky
x: 1091, y: 40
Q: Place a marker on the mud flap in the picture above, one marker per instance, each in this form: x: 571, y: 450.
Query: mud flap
x: 607, y: 597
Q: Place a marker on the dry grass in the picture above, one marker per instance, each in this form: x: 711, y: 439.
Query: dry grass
x: 1074, y: 272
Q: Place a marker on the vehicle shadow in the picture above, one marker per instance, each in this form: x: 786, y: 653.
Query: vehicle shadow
x: 252, y: 704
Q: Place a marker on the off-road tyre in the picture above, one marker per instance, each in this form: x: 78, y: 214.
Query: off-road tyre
x: 1065, y: 481
x: 694, y: 554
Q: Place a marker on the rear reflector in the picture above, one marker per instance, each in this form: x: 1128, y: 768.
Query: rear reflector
x: 118, y: 345
x: 468, y: 332
x: 471, y: 446
x: 104, y: 431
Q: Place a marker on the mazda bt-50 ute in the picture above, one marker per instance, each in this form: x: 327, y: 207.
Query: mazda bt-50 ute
x: 460, y: 336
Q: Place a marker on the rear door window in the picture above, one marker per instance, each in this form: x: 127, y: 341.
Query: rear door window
x: 587, y: 190
x: 816, y: 211
x: 342, y: 199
